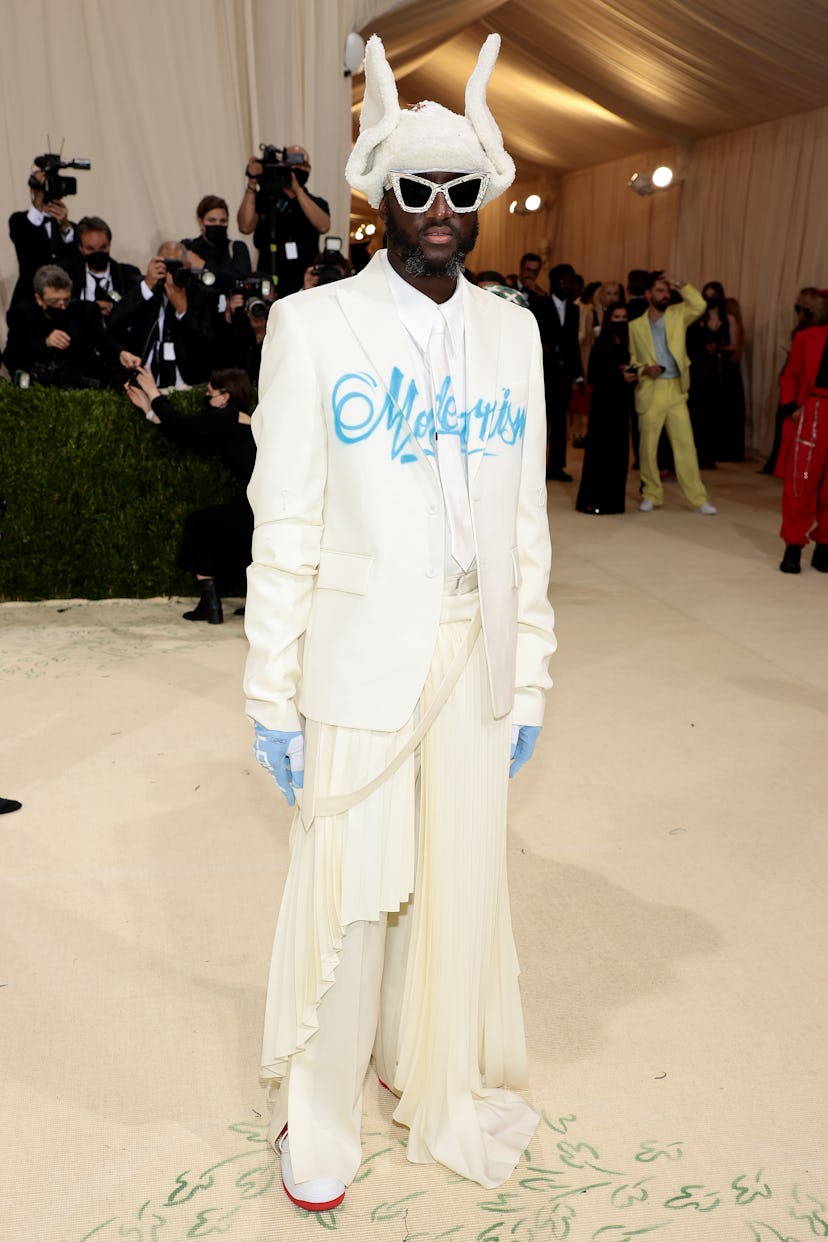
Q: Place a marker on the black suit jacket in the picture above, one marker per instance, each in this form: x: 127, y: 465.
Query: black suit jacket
x: 35, y: 245
x: 561, y: 351
x: 91, y: 356
x: 134, y: 325
x: 125, y: 276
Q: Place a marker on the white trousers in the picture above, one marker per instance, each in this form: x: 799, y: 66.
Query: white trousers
x: 394, y: 935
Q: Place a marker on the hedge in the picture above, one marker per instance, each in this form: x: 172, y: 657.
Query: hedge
x: 96, y: 496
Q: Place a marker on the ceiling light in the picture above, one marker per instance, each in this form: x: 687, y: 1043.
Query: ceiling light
x: 662, y: 176
x: 513, y: 206
x: 370, y: 230
x: 642, y: 183
x: 533, y: 202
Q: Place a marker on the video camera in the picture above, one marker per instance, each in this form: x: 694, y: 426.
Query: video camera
x: 53, y: 185
x: 278, y: 164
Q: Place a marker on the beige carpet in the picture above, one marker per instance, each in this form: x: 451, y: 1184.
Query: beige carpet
x: 668, y: 863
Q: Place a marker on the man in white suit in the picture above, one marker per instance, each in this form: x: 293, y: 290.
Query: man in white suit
x: 400, y: 633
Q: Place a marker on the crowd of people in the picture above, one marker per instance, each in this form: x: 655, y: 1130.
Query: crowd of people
x: 648, y: 371
x: 79, y: 318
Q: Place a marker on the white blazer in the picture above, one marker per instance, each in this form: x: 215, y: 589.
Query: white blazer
x: 346, y: 580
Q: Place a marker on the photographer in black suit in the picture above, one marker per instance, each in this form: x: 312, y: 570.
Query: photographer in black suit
x: 43, y: 234
x: 169, y: 320
x: 60, y: 343
x: 558, y: 321
x: 228, y: 261
x: 96, y: 276
x: 283, y: 217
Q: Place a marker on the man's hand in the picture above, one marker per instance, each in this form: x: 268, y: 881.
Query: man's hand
x: 282, y: 753
x: 105, y: 307
x: 58, y: 339
x: 254, y: 169
x: 59, y: 212
x: 234, y: 302
x: 672, y: 281
x: 156, y: 271
x: 128, y: 360
x: 652, y: 371
x: 523, y: 746
x: 139, y: 398
x: 177, y: 295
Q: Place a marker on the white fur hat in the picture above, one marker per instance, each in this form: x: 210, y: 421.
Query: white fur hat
x: 427, y: 137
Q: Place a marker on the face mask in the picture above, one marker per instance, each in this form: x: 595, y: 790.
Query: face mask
x: 97, y: 261
x: 58, y: 315
x: 302, y: 176
x: 215, y: 234
x: 712, y: 301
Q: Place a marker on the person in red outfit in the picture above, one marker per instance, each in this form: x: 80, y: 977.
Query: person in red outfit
x: 803, y: 457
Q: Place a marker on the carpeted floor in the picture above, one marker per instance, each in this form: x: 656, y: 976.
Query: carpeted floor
x: 668, y: 860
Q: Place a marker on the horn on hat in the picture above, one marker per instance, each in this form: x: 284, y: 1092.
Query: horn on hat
x: 482, y: 121
x: 378, y: 118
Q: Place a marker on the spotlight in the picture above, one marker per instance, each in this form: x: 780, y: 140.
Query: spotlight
x: 359, y: 234
x: 641, y: 183
x: 370, y: 230
x: 662, y: 176
x: 525, y: 206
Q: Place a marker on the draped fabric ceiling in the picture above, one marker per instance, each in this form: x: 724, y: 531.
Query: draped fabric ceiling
x: 578, y: 84
x: 734, y: 97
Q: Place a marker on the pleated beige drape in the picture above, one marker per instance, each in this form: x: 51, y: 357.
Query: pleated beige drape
x: 749, y: 212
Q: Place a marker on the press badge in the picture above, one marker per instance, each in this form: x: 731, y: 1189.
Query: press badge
x: 291, y: 250
x: 169, y: 351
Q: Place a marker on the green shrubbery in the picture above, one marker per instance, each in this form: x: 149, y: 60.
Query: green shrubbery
x: 96, y: 496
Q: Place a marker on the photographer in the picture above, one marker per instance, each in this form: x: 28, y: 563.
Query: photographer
x: 229, y: 261
x: 327, y: 266
x: 60, y: 343
x: 43, y: 234
x: 215, y: 544
x: 283, y: 217
x: 242, y: 328
x: 169, y: 320
x: 96, y: 276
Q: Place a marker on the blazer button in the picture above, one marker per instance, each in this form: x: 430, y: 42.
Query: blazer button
x: 431, y: 572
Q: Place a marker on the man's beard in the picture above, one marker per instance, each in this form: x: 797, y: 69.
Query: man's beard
x: 416, y: 263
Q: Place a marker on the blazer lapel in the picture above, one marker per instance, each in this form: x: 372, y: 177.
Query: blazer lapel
x: 482, y: 359
x: 368, y: 305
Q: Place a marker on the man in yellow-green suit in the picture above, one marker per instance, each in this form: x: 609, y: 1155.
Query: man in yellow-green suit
x: 659, y: 355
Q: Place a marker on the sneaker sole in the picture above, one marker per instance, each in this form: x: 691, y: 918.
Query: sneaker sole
x: 313, y: 1207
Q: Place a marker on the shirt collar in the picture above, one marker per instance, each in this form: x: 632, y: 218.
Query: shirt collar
x: 419, y: 313
x: 36, y: 217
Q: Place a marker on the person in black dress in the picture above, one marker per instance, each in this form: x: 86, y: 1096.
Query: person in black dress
x: 215, y: 544
x: 607, y: 450
x: 717, y: 394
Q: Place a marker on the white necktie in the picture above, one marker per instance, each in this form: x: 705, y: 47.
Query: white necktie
x: 450, y: 449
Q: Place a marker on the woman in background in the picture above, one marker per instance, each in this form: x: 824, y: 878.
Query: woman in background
x: 717, y: 395
x: 607, y: 454
x: 215, y: 544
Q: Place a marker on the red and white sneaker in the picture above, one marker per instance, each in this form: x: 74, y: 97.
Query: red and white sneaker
x: 317, y: 1195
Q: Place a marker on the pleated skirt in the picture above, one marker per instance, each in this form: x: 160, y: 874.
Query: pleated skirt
x: 429, y: 845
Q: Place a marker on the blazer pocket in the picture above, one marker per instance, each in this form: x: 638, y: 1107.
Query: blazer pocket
x: 517, y: 576
x: 344, y: 571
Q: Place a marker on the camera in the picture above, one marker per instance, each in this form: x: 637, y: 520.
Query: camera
x: 253, y: 286
x: 256, y: 308
x: 53, y: 185
x: 185, y: 276
x: 326, y: 273
x: 278, y: 164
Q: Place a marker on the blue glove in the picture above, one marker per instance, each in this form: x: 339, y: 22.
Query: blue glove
x: 523, y: 747
x: 282, y: 753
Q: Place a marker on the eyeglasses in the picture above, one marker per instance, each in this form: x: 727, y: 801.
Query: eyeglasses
x: 415, y: 193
